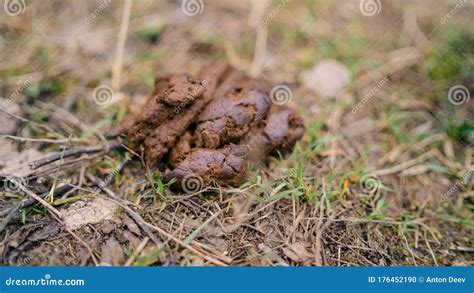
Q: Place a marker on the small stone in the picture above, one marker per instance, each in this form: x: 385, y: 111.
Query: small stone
x: 327, y: 78
x: 94, y: 211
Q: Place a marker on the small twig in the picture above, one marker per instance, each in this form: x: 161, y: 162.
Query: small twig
x: 12, y: 212
x: 65, y: 165
x: 468, y: 159
x: 36, y: 197
x: 421, y: 145
x: 45, y: 140
x: 429, y: 248
x: 463, y: 249
x: 135, y: 216
x: 116, y: 71
x: 135, y: 254
x: 28, y: 202
x: 75, y: 152
x: 53, y: 187
x: 193, y: 235
x: 415, y: 170
x: 408, y: 246
x: 24, y: 120
x: 401, y: 58
x: 261, y: 39
x: 334, y: 125
x: 89, y: 249
x: 188, y: 196
x: 447, y: 163
x: 318, y: 244
x: 403, y: 166
x: 203, y: 247
x: 188, y: 246
x: 65, y: 115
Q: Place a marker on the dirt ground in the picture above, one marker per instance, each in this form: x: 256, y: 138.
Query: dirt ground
x: 381, y: 177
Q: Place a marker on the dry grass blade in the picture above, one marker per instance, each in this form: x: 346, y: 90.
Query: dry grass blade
x: 135, y: 216
x: 76, y: 152
x: 195, y: 233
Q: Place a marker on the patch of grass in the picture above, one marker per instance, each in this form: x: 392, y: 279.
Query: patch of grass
x: 468, y: 223
x: 150, y: 258
x: 348, y: 52
x: 455, y: 127
x: 151, y: 33
x: 32, y: 92
x: 158, y: 186
x: 448, y: 57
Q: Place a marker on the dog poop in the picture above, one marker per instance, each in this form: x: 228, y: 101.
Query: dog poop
x: 210, y: 126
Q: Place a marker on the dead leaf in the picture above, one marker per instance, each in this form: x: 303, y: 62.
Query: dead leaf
x: 297, y: 252
x: 127, y: 236
x: 131, y: 225
x: 112, y: 253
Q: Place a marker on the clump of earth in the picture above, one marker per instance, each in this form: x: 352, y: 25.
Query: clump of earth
x: 210, y: 126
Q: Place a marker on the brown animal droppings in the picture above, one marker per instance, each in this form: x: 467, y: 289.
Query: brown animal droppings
x: 226, y: 166
x: 283, y: 128
x: 280, y: 131
x: 211, y: 126
x: 226, y: 119
x: 181, y: 149
x: 179, y: 88
x: 170, y: 93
